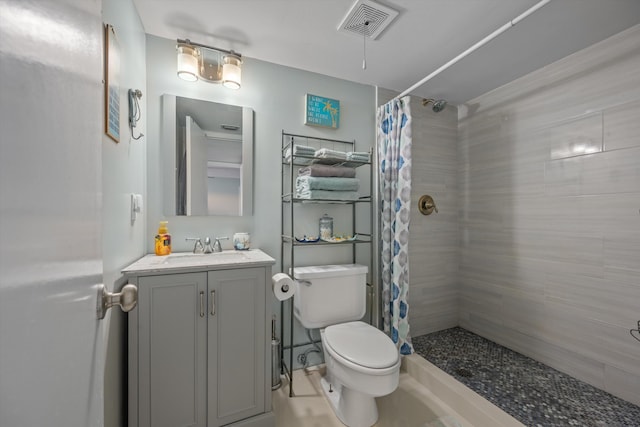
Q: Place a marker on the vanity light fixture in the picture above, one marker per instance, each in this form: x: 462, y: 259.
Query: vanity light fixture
x: 188, y: 62
x: 211, y: 64
x: 231, y: 72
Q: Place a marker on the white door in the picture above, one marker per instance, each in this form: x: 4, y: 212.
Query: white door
x: 51, y: 345
x: 197, y: 188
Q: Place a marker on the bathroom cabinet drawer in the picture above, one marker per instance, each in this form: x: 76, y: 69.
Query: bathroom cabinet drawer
x: 198, y: 347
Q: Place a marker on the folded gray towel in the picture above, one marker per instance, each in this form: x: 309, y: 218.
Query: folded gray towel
x: 305, y: 183
x: 327, y: 170
x: 303, y: 149
x: 300, y: 150
x: 329, y: 195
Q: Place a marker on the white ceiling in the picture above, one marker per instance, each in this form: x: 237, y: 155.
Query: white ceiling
x: 425, y: 35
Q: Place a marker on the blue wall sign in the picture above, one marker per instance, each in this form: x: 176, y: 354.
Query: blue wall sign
x: 321, y: 111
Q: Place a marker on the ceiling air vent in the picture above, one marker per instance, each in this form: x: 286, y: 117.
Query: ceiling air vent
x: 367, y: 18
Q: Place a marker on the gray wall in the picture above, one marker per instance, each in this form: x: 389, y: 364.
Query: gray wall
x: 550, y: 245
x: 433, y: 247
x: 123, y: 173
x: 434, y: 250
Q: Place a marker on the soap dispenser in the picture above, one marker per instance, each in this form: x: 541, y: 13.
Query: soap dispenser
x: 163, y: 239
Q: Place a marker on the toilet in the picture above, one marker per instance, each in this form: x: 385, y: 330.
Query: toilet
x: 362, y: 362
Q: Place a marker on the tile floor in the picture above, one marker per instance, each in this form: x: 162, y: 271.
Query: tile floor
x: 413, y: 404
x: 530, y: 391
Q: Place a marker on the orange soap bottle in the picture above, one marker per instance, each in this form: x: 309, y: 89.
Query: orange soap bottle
x: 163, y: 239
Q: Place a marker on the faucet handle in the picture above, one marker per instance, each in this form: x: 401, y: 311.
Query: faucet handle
x: 216, y: 245
x: 197, y: 245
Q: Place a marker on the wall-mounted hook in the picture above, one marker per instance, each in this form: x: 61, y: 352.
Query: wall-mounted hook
x: 134, y: 110
x: 426, y: 205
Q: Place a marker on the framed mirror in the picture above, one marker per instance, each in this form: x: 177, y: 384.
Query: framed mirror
x: 206, y: 157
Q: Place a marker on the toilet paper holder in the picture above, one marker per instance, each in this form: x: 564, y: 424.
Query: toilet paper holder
x: 427, y: 205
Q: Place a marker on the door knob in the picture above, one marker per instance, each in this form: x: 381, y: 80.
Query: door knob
x: 127, y: 299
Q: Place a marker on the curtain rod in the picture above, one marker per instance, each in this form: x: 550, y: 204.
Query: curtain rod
x: 479, y: 44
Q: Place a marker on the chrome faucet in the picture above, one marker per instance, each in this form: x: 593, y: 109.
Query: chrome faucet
x: 197, y: 246
x: 216, y: 244
x: 207, y: 246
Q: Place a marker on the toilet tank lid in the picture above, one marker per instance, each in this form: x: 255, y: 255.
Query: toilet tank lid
x: 323, y: 271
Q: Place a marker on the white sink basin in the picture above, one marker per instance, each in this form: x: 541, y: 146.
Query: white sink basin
x: 204, y: 259
x: 184, y: 261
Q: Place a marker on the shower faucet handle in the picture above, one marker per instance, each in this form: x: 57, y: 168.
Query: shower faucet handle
x: 427, y: 205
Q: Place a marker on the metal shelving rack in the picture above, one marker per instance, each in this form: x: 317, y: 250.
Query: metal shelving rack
x: 289, y: 201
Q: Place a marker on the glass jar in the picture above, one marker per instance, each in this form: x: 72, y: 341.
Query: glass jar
x: 326, y: 227
x: 241, y: 241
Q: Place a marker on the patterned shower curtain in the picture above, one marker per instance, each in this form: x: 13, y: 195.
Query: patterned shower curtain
x: 394, y: 161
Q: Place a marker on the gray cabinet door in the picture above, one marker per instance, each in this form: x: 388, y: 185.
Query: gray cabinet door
x: 172, y: 350
x: 236, y: 349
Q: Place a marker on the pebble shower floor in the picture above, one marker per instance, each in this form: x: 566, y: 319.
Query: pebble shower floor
x: 533, y: 393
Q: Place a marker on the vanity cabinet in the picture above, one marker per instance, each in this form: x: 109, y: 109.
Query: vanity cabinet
x: 235, y: 339
x: 172, y: 350
x: 198, y: 347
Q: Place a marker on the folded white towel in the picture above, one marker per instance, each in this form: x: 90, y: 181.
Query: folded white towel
x: 326, y: 153
x: 359, y: 156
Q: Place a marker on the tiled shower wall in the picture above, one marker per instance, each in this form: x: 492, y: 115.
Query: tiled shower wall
x: 433, y: 246
x: 549, y: 177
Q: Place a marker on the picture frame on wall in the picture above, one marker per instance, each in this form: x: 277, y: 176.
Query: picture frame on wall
x: 112, y: 84
x: 322, y: 111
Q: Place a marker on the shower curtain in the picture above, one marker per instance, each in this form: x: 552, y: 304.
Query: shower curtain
x: 394, y: 162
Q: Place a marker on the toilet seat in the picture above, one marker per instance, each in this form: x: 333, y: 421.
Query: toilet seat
x: 362, y: 346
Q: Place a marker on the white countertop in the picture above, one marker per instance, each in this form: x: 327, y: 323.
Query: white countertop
x: 187, y: 261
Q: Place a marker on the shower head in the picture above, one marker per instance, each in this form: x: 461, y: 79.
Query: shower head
x: 438, y: 104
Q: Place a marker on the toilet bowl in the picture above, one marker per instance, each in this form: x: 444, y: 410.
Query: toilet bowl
x: 362, y: 363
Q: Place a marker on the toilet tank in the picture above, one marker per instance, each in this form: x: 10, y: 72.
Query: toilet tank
x: 330, y: 294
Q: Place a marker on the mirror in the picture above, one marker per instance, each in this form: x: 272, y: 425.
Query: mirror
x: 207, y: 157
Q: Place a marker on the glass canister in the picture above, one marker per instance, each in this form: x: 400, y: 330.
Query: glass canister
x: 326, y: 227
x: 241, y: 241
